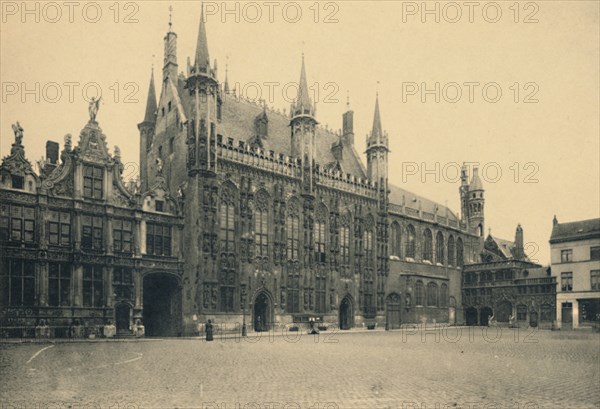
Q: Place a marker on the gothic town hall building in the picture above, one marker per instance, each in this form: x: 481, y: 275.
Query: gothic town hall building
x: 241, y: 213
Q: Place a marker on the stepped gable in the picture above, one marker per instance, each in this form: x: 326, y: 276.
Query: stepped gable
x: 238, y: 123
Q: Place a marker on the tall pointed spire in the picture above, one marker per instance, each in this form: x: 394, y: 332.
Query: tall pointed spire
x: 303, y: 102
x: 202, y: 61
x: 377, y: 130
x: 151, y: 106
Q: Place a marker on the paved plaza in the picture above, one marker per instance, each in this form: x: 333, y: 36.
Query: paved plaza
x: 455, y: 367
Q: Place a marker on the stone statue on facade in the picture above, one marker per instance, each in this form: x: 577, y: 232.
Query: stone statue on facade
x: 159, y: 166
x: 93, y: 108
x: 18, y: 130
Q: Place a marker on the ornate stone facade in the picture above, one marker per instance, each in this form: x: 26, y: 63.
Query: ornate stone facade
x: 75, y: 241
x: 509, y: 287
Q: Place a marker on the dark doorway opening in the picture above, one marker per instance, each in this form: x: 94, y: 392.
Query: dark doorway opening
x: 262, y: 313
x: 162, y: 305
x: 471, y: 316
x: 346, y: 314
x: 393, y: 311
x: 484, y: 315
x: 567, y: 315
x: 122, y: 318
x: 503, y: 311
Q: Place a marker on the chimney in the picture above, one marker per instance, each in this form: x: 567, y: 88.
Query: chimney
x: 554, y: 221
x: 52, y: 152
x: 519, y: 247
x: 348, y: 128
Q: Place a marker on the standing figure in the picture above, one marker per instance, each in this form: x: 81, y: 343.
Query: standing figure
x: 18, y: 130
x: 209, y: 330
x: 93, y: 108
x: 490, y: 320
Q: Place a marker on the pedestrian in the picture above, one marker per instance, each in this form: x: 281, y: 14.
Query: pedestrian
x: 209, y: 330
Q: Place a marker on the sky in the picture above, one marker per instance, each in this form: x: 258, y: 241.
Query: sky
x: 512, y: 86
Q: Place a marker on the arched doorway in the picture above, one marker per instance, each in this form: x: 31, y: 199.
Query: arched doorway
x: 452, y: 311
x: 471, y: 316
x: 503, y: 311
x: 346, y: 313
x: 484, y: 314
x: 261, y: 312
x: 533, y: 319
x: 122, y: 318
x: 162, y: 305
x: 393, y: 310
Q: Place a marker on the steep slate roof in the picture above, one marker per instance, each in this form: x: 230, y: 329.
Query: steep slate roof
x: 506, y: 247
x: 580, y: 230
x: 397, y: 194
x: 238, y: 116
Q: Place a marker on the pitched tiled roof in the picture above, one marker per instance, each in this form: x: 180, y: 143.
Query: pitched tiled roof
x: 506, y: 247
x: 583, y: 229
x: 401, y: 196
x: 238, y: 117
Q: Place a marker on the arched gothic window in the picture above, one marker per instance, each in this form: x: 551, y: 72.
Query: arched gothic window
x: 395, y: 240
x: 439, y: 248
x: 432, y: 295
x: 411, y: 241
x: 427, y: 245
x: 419, y: 290
x: 451, y: 251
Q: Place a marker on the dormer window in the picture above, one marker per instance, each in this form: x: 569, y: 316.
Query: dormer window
x: 159, y: 205
x: 93, y: 182
x: 18, y: 182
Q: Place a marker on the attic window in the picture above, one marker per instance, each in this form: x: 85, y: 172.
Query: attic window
x: 169, y: 106
x: 159, y: 206
x: 18, y: 182
x: 163, y: 111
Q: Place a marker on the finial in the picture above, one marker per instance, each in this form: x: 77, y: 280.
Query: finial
x: 489, y: 231
x: 170, y: 17
x: 348, y: 100
x: 377, y: 89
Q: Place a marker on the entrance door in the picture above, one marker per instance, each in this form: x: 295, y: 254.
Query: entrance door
x: 471, y: 316
x: 533, y: 319
x: 484, y: 314
x: 122, y: 312
x: 346, y: 314
x: 262, y: 313
x: 162, y: 305
x: 393, y: 311
x: 503, y: 311
x: 567, y: 315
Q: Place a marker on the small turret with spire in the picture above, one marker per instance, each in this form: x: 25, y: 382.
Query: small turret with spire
x: 203, y: 87
x: 303, y: 124
x: 377, y: 149
x: 170, y: 66
x: 147, y: 128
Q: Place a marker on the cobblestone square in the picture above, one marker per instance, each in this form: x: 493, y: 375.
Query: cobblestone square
x: 408, y: 368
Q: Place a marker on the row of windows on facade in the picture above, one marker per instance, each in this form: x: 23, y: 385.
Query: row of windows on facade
x: 566, y: 281
x: 292, y: 227
x: 566, y: 256
x: 453, y: 249
x: 522, y: 289
x: 17, y: 224
x: 488, y: 276
x: 431, y: 298
x: 18, y: 283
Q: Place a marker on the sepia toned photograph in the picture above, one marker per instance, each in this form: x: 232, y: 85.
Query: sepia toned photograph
x: 299, y: 204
